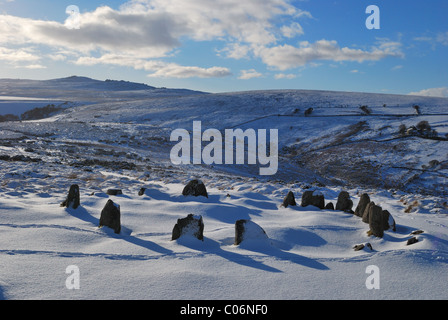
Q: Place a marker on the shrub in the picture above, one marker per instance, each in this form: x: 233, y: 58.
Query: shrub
x: 423, y: 126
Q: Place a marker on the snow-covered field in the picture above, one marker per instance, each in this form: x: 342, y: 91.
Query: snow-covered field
x: 121, y: 139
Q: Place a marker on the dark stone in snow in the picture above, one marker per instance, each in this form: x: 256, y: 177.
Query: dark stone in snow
x: 362, y: 204
x: 110, y: 216
x: 195, y: 188
x: 344, y: 202
x: 411, y: 241
x: 329, y: 206
x: 192, y: 225
x: 309, y: 198
x: 366, y: 213
x: 114, y: 192
x: 376, y: 223
x: 289, y: 200
x: 246, y: 230
x: 72, y: 200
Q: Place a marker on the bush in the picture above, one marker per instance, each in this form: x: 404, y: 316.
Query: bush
x: 365, y: 109
x: 8, y: 117
x: 41, y: 113
x: 423, y: 126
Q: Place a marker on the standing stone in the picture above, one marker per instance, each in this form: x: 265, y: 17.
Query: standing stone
x: 195, y: 188
x: 110, y: 216
x: 141, y: 191
x: 329, y: 206
x: 362, y: 204
x: 388, y: 221
x: 366, y: 213
x: 289, y: 200
x: 72, y: 199
x: 191, y: 225
x: 114, y: 192
x: 248, y: 230
x: 317, y: 200
x: 344, y: 202
x: 376, y: 223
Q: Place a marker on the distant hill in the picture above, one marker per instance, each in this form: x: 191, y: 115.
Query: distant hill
x: 83, y: 89
x: 76, y: 82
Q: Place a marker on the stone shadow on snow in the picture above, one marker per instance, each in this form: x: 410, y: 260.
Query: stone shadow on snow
x: 125, y: 234
x: 210, y: 246
x: 267, y: 248
x: 213, y: 247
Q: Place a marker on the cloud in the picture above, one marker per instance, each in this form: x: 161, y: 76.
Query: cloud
x: 148, y: 29
x: 156, y: 67
x: 249, y: 74
x: 141, y: 32
x: 285, y: 76
x: 31, y: 66
x: 442, y: 38
x: 155, y: 27
x: 292, y: 30
x: 432, y: 92
x: 144, y: 35
x: 173, y: 70
x: 285, y: 57
x: 17, y: 55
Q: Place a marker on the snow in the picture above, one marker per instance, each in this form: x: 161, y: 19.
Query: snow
x: 120, y: 142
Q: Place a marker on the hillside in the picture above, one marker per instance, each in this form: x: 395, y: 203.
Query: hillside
x: 121, y: 140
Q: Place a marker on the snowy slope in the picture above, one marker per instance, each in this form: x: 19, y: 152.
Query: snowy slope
x: 309, y: 252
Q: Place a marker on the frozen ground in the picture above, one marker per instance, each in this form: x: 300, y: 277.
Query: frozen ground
x: 121, y: 140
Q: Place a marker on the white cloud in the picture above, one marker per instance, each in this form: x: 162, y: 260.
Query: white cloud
x: 155, y: 27
x: 285, y: 76
x: 31, y: 66
x: 156, y: 67
x: 148, y: 29
x: 173, y: 70
x: 442, y: 38
x: 17, y: 55
x: 249, y: 74
x: 285, y: 57
x: 432, y: 92
x: 141, y: 31
x: 144, y: 35
x: 292, y: 30
x: 236, y: 51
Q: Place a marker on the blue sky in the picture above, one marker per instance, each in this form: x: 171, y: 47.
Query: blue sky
x: 230, y: 45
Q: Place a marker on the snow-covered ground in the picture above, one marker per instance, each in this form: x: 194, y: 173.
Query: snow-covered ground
x: 121, y: 139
